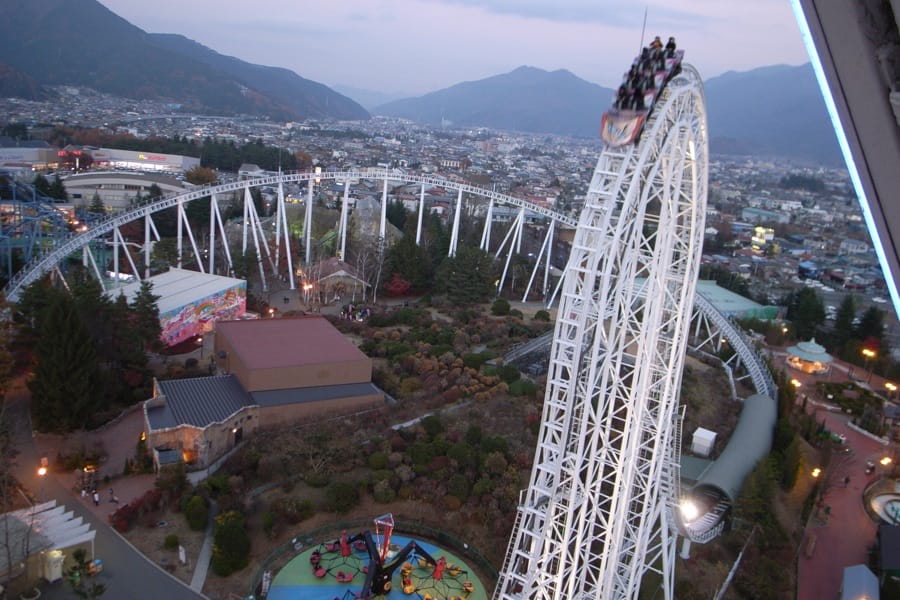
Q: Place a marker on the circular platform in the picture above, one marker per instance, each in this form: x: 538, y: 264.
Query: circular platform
x: 342, y: 577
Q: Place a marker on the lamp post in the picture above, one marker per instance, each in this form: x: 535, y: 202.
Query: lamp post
x: 42, y: 471
x: 891, y: 388
x: 200, y: 341
x: 868, y: 354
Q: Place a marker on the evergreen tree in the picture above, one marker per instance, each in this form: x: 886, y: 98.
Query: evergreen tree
x: 42, y: 186
x: 871, y: 326
x: 843, y: 323
x: 64, y: 389
x: 146, y: 313
x: 806, y: 311
x: 57, y: 190
x: 396, y: 214
x: 411, y: 262
x: 96, y: 207
x: 468, y: 277
x: 231, y: 546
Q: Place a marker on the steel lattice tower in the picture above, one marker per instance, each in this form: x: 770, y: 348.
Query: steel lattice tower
x: 597, y: 513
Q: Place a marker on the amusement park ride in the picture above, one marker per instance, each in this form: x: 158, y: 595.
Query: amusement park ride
x: 604, y: 502
x: 377, y: 558
x: 599, y: 510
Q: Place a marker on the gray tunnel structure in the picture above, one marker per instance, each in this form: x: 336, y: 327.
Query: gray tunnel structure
x: 715, y: 492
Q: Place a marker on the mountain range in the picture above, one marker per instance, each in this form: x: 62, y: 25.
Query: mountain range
x: 771, y: 111
x: 56, y: 42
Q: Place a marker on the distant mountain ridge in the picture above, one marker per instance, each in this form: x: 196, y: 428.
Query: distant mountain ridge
x: 526, y: 99
x: 81, y: 42
x: 772, y: 111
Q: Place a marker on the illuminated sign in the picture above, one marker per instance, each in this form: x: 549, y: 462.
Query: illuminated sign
x: 155, y: 157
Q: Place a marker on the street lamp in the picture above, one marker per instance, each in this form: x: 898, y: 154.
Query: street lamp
x: 200, y: 341
x: 796, y: 383
x: 816, y: 472
x: 869, y: 354
x: 891, y: 388
x: 42, y: 471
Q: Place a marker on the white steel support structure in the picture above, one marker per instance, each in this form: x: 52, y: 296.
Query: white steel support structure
x: 421, y: 212
x: 595, y: 517
x: 454, y: 234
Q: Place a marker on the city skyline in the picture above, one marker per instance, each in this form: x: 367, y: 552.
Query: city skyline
x: 393, y: 46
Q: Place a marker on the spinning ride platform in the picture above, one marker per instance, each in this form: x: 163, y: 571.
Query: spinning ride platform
x: 344, y: 576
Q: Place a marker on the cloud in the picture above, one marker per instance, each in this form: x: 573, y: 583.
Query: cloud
x: 612, y: 13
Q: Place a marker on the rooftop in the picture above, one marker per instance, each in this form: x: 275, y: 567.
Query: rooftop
x: 177, y: 288
x: 279, y: 343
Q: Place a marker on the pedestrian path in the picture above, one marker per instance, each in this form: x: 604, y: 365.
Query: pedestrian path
x: 202, y: 567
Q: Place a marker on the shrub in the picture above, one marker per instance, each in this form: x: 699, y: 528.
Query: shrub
x: 171, y: 542
x: 383, y: 493
x: 515, y: 312
x: 378, y: 461
x: 268, y: 522
x: 522, y: 387
x: 542, y: 315
x: 476, y: 360
x: 341, y: 497
x: 458, y: 486
x: 509, y: 373
x: 500, y: 307
x: 197, y: 513
x: 432, y: 426
x: 317, y: 480
x: 293, y: 510
x: 231, y: 545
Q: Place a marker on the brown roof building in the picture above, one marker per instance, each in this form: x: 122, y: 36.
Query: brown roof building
x: 270, y: 371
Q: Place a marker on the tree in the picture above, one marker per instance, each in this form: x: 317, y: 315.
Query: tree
x: 41, y: 185
x: 77, y: 575
x: 411, y: 262
x: 231, y: 545
x: 146, y: 313
x: 468, y: 277
x: 843, y: 323
x: 396, y: 214
x: 806, y: 311
x: 201, y: 176
x: 871, y: 325
x: 65, y: 389
x: 57, y: 190
x: 96, y: 207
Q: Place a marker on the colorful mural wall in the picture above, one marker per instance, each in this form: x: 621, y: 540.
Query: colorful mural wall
x: 199, y: 317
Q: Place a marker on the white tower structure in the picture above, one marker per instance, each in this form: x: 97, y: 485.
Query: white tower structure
x: 597, y: 513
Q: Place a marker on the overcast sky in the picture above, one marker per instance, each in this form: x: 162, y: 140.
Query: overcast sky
x: 419, y: 46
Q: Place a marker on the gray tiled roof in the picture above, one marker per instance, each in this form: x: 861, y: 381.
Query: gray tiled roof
x: 313, y: 394
x: 198, y: 401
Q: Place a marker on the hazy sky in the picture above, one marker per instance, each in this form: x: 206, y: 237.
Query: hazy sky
x: 418, y: 46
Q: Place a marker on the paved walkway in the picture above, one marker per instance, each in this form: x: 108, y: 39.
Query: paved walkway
x: 127, y: 574
x: 843, y: 535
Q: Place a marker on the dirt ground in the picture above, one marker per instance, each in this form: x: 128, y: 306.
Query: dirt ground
x: 150, y: 542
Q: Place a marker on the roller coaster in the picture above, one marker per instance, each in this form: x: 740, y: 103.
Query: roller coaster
x: 605, y: 504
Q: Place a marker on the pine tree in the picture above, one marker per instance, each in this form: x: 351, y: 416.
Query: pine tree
x: 65, y: 388
x: 97, y: 207
x: 146, y: 314
x: 468, y: 277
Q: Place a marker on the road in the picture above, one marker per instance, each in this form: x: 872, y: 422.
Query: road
x: 126, y: 573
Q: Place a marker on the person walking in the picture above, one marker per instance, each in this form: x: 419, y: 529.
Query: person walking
x: 96, y: 498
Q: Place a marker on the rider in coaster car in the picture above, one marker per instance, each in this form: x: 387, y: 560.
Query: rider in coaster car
x: 656, y: 44
x: 670, y: 48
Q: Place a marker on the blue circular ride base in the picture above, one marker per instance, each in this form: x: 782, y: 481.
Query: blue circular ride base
x: 323, y: 572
